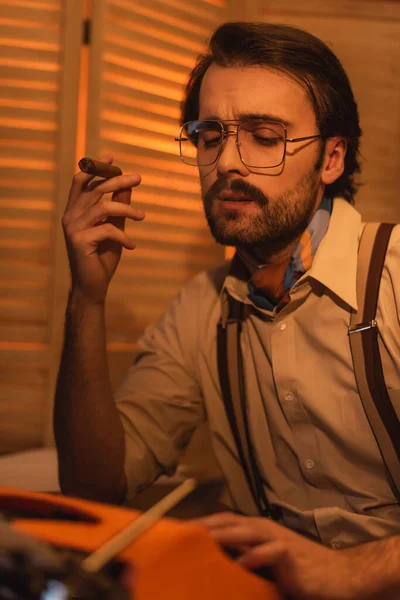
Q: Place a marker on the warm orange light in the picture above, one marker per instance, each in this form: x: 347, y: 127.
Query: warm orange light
x: 147, y: 105
x: 27, y: 346
x: 140, y: 8
x: 37, y: 25
x: 162, y: 90
x: 151, y: 125
x: 35, y: 65
x: 26, y: 144
x: 29, y: 44
x: 149, y: 50
x: 130, y: 347
x: 30, y: 104
x: 136, y: 139
x: 145, y: 67
x: 28, y: 163
x: 24, y: 284
x: 25, y: 224
x: 195, y: 221
x: 170, y: 183
x: 25, y: 203
x: 29, y: 184
x: 142, y: 196
x: 82, y: 105
x: 159, y: 34
x: 35, y: 4
x: 28, y: 124
x: 218, y: 3
x: 27, y: 244
x: 135, y: 162
x: 48, y: 86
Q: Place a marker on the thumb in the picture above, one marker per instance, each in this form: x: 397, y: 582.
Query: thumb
x: 264, y: 555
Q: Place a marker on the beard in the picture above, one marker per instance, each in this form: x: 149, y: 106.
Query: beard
x: 277, y: 221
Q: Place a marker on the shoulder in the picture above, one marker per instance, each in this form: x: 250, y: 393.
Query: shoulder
x: 193, y: 311
x: 394, y: 242
x: 206, y: 285
x: 392, y: 259
x: 389, y: 293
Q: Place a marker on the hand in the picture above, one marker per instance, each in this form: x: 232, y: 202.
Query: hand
x: 302, y: 568
x: 94, y: 230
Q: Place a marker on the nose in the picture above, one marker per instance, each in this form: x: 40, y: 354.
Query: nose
x: 229, y: 160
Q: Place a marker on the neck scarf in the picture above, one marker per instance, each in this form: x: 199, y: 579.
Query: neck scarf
x: 270, y: 284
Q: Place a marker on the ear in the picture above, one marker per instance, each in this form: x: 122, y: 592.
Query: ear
x: 333, y: 164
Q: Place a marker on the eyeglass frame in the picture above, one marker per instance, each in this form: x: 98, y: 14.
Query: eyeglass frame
x: 226, y: 134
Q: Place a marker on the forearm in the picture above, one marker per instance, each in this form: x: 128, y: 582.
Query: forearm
x: 88, y: 431
x: 376, y: 569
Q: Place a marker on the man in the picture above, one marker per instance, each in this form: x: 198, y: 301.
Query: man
x: 271, y: 122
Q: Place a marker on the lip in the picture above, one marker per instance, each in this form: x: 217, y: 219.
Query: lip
x: 234, y: 197
x: 229, y: 204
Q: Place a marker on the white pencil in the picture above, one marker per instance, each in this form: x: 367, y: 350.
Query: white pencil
x: 112, y: 547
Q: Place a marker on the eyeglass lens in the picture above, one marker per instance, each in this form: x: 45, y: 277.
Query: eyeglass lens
x: 261, y: 144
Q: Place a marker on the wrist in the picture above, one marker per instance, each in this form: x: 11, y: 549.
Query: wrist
x: 374, y: 569
x: 79, y: 300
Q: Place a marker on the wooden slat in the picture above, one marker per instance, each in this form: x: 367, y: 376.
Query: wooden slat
x: 30, y: 67
x: 210, y: 14
x: 141, y: 55
x: 365, y: 36
x: 175, y: 37
x: 140, y: 45
x: 375, y: 10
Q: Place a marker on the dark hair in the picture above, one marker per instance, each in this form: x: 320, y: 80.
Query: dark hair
x: 303, y: 57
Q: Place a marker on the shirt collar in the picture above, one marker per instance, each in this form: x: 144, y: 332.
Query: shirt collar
x: 335, y: 262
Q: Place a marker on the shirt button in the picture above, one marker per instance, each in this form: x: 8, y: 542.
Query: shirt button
x: 336, y: 544
x: 282, y: 326
x: 289, y: 396
x: 310, y: 464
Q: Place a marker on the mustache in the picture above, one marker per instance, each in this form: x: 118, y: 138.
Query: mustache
x: 235, y: 185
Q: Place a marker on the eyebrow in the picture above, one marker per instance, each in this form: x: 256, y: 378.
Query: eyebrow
x: 253, y: 117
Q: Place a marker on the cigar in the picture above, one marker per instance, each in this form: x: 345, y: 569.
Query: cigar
x: 96, y: 167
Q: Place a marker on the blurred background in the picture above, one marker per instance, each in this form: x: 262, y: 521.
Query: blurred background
x: 80, y: 78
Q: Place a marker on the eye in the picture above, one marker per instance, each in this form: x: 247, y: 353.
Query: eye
x: 210, y: 138
x: 266, y: 141
x: 265, y: 135
x: 262, y: 134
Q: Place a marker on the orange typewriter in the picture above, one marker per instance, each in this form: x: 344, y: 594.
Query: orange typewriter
x: 59, y: 548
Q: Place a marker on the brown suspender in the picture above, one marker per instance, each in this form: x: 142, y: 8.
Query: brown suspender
x: 363, y: 334
x: 230, y: 367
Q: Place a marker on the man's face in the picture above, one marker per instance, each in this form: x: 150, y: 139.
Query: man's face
x: 251, y: 209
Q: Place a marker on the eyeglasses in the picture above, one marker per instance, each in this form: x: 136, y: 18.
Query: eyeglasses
x: 261, y: 144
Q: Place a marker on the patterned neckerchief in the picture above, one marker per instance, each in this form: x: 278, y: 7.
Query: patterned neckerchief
x: 269, y: 285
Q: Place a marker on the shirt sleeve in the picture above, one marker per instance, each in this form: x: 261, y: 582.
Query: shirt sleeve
x: 160, y: 401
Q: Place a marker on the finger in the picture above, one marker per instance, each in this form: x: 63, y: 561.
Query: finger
x: 218, y: 520
x: 115, y: 184
x: 264, y: 555
x: 123, y: 196
x: 238, y: 535
x: 88, y: 240
x: 112, y: 212
x: 81, y: 180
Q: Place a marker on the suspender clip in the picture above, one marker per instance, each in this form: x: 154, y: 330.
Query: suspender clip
x: 362, y: 326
